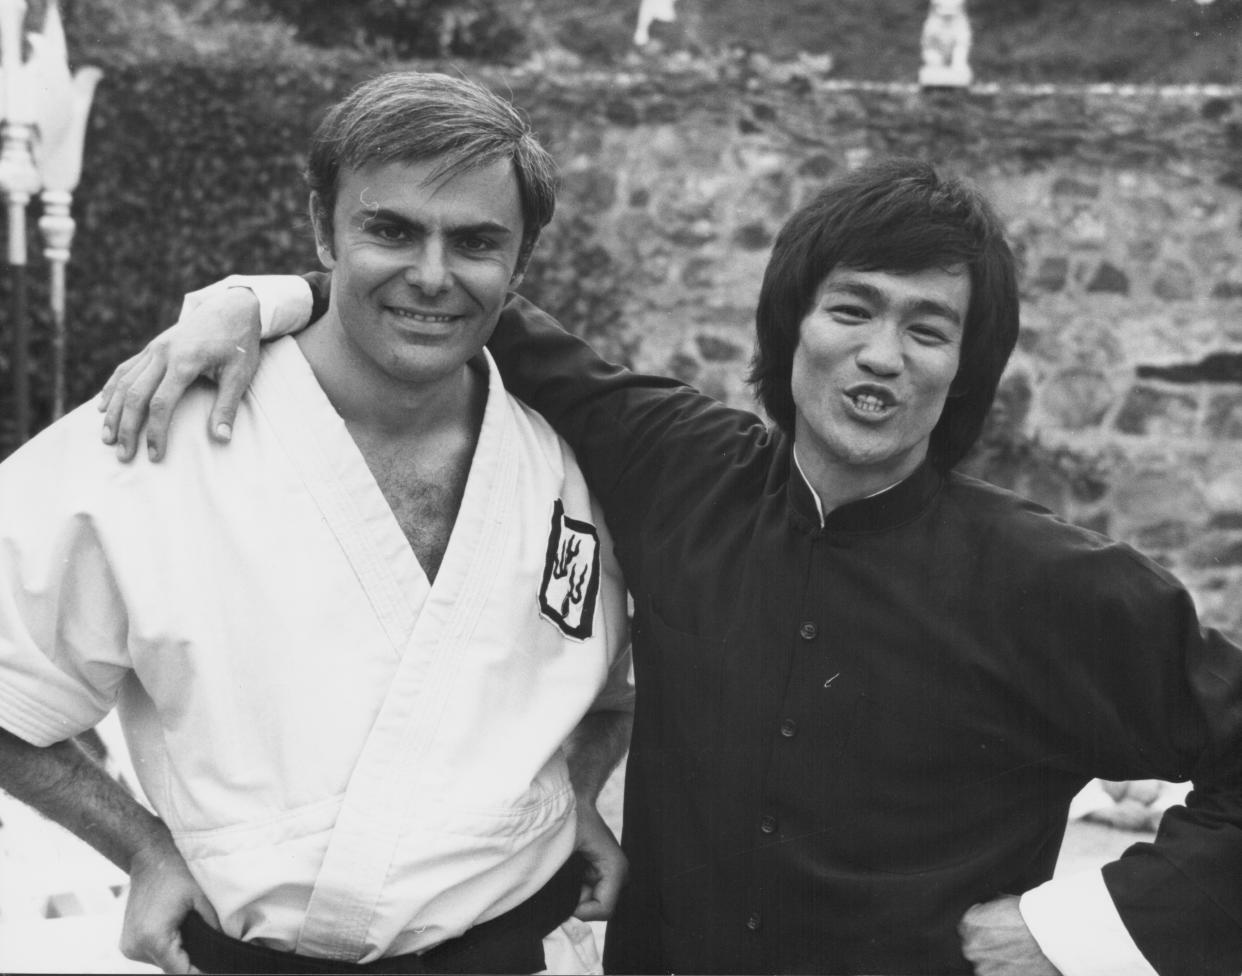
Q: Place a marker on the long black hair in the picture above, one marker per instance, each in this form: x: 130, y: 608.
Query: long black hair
x: 896, y: 215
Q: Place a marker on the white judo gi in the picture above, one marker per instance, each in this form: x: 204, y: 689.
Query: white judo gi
x: 353, y: 762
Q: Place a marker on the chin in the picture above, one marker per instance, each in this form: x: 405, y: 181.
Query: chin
x: 422, y: 373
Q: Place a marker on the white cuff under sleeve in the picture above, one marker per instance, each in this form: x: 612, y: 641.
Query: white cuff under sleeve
x: 284, y: 301
x: 1077, y: 926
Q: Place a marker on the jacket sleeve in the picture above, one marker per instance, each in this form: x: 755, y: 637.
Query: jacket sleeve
x: 1181, y: 896
x: 1153, y: 694
x: 638, y: 438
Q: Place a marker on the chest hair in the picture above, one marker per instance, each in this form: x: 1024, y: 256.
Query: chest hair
x: 424, y: 494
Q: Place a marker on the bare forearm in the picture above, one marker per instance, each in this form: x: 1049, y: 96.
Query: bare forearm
x: 594, y: 749
x: 65, y: 785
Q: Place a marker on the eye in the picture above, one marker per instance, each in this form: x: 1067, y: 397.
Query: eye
x: 929, y: 335
x: 848, y: 312
x: 476, y: 244
x: 389, y: 233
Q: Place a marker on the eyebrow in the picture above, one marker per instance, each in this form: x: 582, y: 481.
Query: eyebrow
x: 924, y: 306
x: 366, y: 216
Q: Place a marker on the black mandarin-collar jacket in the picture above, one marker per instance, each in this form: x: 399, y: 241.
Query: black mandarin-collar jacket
x: 847, y: 734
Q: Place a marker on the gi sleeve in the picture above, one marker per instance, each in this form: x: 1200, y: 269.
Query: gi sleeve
x: 63, y: 626
x: 617, y: 694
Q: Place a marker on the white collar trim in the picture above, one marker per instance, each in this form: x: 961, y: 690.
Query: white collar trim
x: 819, y: 505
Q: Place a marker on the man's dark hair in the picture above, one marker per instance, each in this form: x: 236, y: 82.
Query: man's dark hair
x: 896, y: 215
x: 412, y: 116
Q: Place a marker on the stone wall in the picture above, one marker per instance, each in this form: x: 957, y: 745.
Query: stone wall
x: 1121, y: 409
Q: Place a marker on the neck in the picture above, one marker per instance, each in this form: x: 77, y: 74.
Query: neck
x: 373, y: 401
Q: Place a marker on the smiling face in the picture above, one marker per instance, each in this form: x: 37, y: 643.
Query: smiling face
x: 420, y: 268
x: 875, y: 358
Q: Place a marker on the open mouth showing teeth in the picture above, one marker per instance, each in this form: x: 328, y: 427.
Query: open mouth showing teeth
x: 869, y: 403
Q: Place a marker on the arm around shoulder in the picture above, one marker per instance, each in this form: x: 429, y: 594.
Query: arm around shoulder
x: 217, y: 337
x: 623, y: 426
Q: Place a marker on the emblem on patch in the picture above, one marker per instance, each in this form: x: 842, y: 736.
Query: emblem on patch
x: 570, y: 575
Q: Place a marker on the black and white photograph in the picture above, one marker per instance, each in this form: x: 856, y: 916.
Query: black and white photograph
x: 648, y: 487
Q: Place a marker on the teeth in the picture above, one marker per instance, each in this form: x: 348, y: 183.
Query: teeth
x: 869, y: 403
x: 420, y: 317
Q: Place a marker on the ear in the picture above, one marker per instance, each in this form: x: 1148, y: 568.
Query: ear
x: 321, y: 221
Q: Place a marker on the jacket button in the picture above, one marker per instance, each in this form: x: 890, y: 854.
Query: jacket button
x: 789, y: 728
x: 767, y: 824
x: 755, y: 922
x: 808, y: 631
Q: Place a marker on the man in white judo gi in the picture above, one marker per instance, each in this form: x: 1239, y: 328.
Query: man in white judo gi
x: 366, y: 657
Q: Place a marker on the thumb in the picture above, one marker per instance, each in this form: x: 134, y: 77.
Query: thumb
x: 177, y: 960
x: 608, y: 889
x: 590, y: 908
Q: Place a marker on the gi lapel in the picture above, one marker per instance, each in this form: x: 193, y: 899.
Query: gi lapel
x: 337, y: 477
x: 386, y: 781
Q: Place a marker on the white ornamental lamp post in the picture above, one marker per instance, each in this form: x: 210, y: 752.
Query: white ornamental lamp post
x: 65, y: 105
x: 44, y: 112
x: 19, y: 182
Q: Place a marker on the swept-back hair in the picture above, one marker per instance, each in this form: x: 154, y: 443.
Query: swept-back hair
x: 896, y: 215
x: 412, y: 116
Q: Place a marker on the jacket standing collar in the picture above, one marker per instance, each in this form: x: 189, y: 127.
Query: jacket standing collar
x: 883, y: 510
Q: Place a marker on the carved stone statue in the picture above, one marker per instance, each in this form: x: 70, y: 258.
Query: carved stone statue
x: 946, y: 46
x: 650, y: 11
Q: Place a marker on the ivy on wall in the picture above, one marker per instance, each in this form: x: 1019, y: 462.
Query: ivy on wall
x: 192, y: 171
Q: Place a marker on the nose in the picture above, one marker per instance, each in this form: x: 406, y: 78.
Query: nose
x: 881, y: 352
x: 428, y: 269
